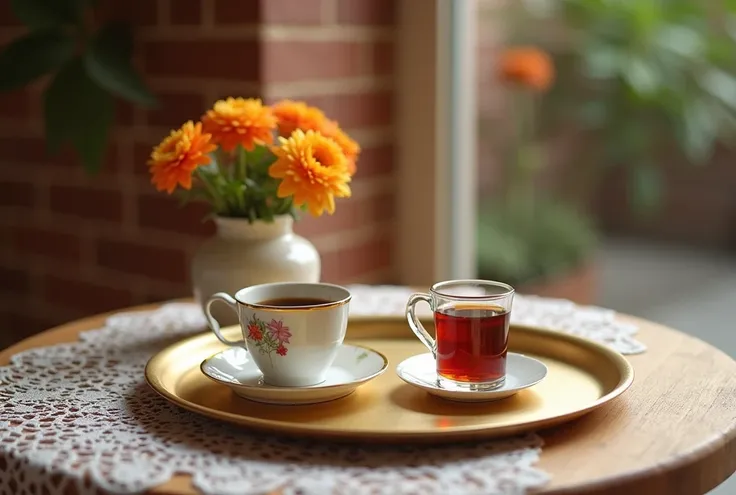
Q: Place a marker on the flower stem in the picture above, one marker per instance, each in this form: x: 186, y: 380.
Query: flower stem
x: 217, y: 200
x: 242, y: 163
x: 523, y: 166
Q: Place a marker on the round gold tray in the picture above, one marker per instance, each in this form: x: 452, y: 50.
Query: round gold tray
x: 583, y: 375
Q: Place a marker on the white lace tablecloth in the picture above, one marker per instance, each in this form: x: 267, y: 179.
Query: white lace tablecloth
x: 80, y: 416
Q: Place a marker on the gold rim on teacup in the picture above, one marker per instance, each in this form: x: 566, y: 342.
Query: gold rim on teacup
x: 308, y: 307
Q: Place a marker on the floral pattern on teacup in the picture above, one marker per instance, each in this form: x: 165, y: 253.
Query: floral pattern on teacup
x: 269, y: 337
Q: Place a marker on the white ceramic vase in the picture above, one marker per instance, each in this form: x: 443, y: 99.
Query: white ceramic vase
x: 242, y: 254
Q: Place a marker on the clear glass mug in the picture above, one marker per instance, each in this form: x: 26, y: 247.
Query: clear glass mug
x: 471, y: 319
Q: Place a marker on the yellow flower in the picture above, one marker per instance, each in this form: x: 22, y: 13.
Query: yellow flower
x: 240, y: 121
x: 293, y: 115
x: 175, y: 159
x: 312, y: 169
x: 349, y: 147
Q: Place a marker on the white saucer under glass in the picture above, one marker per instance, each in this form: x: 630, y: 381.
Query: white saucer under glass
x: 521, y: 372
x: 353, y: 367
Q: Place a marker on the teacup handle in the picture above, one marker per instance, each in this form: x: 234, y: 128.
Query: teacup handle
x: 214, y: 324
x: 414, y: 323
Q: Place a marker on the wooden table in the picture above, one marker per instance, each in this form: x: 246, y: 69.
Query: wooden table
x: 673, y: 432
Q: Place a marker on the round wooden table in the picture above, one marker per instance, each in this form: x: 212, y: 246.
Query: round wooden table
x: 673, y: 432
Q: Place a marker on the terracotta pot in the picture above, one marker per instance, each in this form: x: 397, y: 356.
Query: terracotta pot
x: 579, y: 285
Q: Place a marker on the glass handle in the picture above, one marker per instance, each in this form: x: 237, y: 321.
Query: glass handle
x: 416, y: 326
x: 214, y: 324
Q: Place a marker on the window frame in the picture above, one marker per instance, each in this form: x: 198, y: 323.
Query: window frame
x: 436, y: 125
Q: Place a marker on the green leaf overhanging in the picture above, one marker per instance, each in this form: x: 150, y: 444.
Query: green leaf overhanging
x: 78, y: 111
x: 34, y: 55
x: 45, y: 13
x: 109, y: 63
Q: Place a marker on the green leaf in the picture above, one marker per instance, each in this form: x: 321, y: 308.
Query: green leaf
x: 645, y: 188
x: 601, y: 61
x: 44, y: 13
x: 721, y: 85
x: 730, y: 26
x: 642, y: 76
x: 681, y: 40
x: 593, y: 114
x: 80, y: 112
x: 700, y: 131
x: 108, y: 62
x: 32, y: 56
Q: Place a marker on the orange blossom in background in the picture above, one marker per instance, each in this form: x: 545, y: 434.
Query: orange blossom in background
x: 527, y: 66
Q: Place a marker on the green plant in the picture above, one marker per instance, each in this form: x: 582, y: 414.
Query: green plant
x: 525, y: 233
x: 89, y: 64
x: 517, y: 247
x: 639, y: 78
x: 229, y: 161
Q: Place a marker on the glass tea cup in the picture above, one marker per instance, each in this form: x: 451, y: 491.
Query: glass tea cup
x: 471, y: 319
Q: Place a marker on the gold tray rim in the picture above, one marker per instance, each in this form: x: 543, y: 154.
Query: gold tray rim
x: 454, y: 434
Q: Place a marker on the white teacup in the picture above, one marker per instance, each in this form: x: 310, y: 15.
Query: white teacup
x: 292, y: 330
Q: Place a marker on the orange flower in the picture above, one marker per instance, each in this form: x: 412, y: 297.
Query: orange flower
x: 350, y: 147
x: 312, y: 169
x: 293, y: 115
x: 239, y: 121
x: 175, y: 159
x: 527, y: 66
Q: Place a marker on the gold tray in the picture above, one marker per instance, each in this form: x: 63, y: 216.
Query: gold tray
x: 583, y: 375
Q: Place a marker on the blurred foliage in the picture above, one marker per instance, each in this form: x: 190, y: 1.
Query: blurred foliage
x: 88, y: 65
x: 641, y: 78
x: 518, y: 247
x: 528, y: 234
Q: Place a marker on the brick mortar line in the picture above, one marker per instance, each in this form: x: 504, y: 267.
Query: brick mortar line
x: 337, y: 241
x: 268, y: 33
x: 122, y: 280
x: 144, y: 132
x: 208, y: 13
x: 42, y: 187
x: 137, y: 284
x: 333, y: 32
x: 152, y: 237
x: 330, y: 87
x: 373, y: 137
x: 31, y: 305
x: 244, y: 32
x: 329, y: 12
x: 87, y: 253
x: 163, y: 12
x: 165, y: 239
x: 139, y: 185
x: 40, y: 267
x: 128, y: 186
x: 193, y: 85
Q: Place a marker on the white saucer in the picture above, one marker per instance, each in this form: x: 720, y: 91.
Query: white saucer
x: 353, y: 366
x: 521, y: 372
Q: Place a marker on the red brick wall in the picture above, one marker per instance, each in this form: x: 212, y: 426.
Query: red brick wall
x: 698, y: 207
x: 73, y: 245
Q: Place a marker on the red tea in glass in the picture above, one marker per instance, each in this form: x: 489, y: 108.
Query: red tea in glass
x: 472, y: 331
x: 472, y: 342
